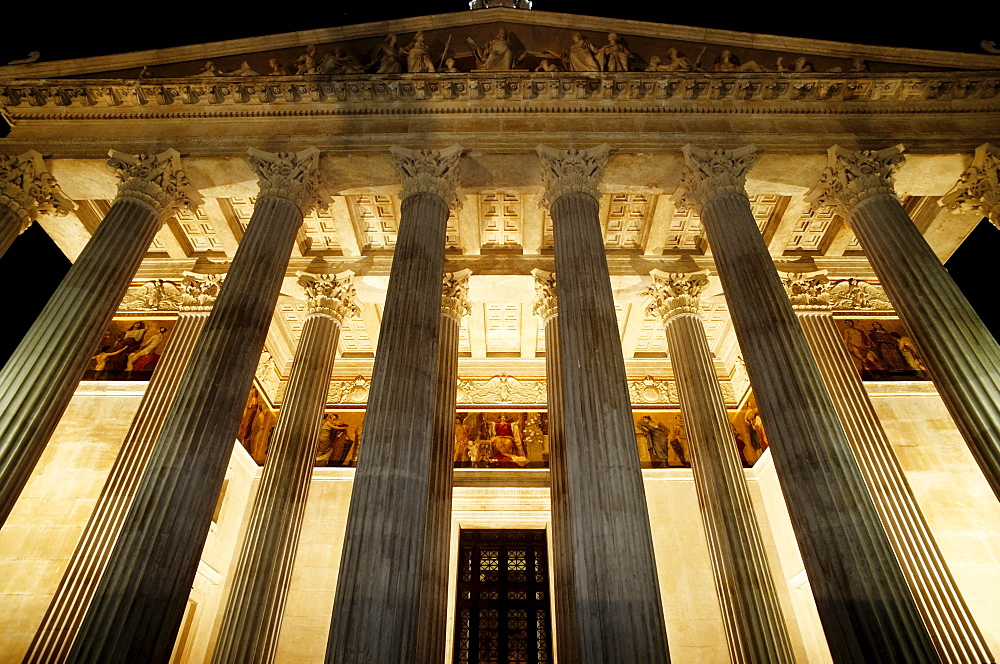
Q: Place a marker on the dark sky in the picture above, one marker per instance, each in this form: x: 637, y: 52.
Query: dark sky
x: 33, y: 266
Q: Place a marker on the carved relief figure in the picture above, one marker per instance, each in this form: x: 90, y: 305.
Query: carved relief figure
x: 496, y: 55
x: 418, y: 56
x: 614, y: 56
x: 582, y: 54
x: 307, y: 62
x: 387, y: 58
x: 338, y: 61
x: 277, y: 68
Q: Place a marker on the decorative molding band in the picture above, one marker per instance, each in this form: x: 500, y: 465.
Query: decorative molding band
x: 27, y: 188
x: 675, y: 293
x: 978, y: 188
x: 293, y: 176
x: 545, y: 304
x: 852, y: 176
x: 712, y: 173
x: 429, y: 172
x: 810, y: 89
x: 154, y: 179
x: 330, y: 294
x: 571, y: 171
x: 455, y: 294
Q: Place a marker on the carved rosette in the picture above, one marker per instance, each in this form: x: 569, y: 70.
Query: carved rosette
x: 853, y: 176
x: 330, y: 294
x: 807, y: 291
x: 28, y: 189
x: 709, y: 174
x: 429, y: 172
x: 455, y: 294
x: 154, y: 179
x: 293, y: 176
x: 673, y: 294
x: 544, y: 304
x: 200, y: 291
x: 978, y: 188
x: 571, y: 171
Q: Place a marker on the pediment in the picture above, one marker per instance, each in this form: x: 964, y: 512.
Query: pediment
x: 538, y: 41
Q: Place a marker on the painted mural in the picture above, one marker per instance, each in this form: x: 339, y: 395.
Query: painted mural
x: 881, y: 349
x: 256, y: 426
x: 129, y: 349
x: 661, y: 439
x: 748, y: 430
x: 501, y: 440
x: 339, y: 439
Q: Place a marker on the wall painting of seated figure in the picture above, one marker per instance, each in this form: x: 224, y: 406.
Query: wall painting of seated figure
x: 881, y: 349
x: 503, y: 439
x: 129, y: 349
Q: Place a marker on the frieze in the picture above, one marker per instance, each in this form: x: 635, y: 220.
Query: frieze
x: 154, y: 295
x: 388, y: 91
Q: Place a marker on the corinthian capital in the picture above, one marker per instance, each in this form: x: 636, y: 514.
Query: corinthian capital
x: 429, y: 172
x: 198, y: 291
x: 978, y: 189
x: 712, y: 173
x: 571, y: 171
x: 675, y: 293
x: 808, y: 291
x: 544, y: 304
x: 330, y: 294
x: 30, y: 190
x: 293, y: 176
x: 852, y: 176
x: 154, y: 179
x: 455, y: 294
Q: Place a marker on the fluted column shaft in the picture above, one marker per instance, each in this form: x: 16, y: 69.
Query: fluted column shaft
x: 382, y: 562
x: 952, y: 628
x: 252, y: 618
x: 618, y: 611
x: 961, y: 355
x: 433, y: 626
x: 755, y: 627
x: 38, y: 380
x: 866, y: 609
x: 562, y: 557
x: 140, y: 602
x: 62, y: 619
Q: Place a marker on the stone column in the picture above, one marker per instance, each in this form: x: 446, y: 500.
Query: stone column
x: 62, y: 619
x: 952, y: 628
x: 434, y: 592
x: 866, y: 608
x: 961, y: 355
x: 382, y: 563
x: 754, y: 625
x: 256, y: 602
x: 618, y: 614
x: 38, y: 380
x: 546, y: 306
x: 26, y: 191
x: 140, y: 601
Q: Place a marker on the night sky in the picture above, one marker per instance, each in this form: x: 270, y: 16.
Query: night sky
x: 34, y: 266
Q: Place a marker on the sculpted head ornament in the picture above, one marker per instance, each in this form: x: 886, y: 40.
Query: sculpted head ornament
x: 853, y: 176
x: 709, y: 174
x: 155, y: 179
x: 30, y: 190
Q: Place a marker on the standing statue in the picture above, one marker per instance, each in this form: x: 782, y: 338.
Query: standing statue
x: 386, y: 57
x: 614, y: 55
x: 582, y: 54
x: 418, y: 56
x: 496, y: 55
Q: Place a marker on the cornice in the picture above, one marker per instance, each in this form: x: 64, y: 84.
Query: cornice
x: 517, y: 92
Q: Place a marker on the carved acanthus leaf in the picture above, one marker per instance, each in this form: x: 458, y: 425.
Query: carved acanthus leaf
x: 807, y: 290
x: 200, y: 291
x: 852, y: 176
x: 571, y: 171
x: 28, y: 189
x: 712, y: 173
x: 675, y: 293
x: 429, y: 172
x: 855, y: 294
x: 155, y: 179
x: 455, y: 294
x: 330, y: 294
x: 978, y: 188
x: 544, y: 304
x: 293, y: 176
